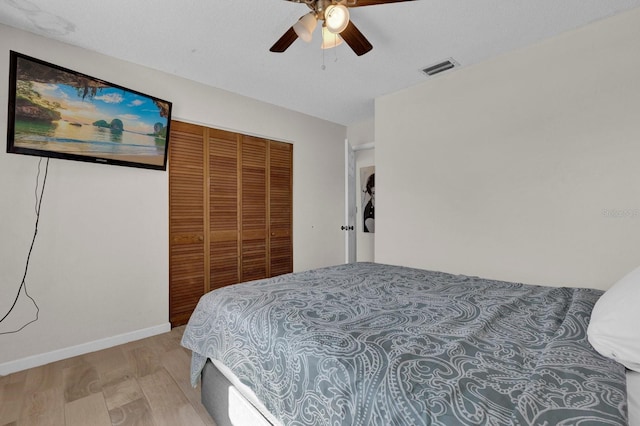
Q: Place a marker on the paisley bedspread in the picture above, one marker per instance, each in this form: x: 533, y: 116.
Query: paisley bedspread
x: 372, y: 344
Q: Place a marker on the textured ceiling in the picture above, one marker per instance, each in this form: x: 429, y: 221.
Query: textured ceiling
x: 225, y: 43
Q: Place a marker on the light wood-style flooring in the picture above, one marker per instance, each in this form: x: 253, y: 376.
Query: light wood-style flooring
x: 145, y: 382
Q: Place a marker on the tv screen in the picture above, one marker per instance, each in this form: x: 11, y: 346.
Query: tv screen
x: 60, y: 113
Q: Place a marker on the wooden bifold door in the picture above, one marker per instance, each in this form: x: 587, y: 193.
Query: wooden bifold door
x: 230, y: 212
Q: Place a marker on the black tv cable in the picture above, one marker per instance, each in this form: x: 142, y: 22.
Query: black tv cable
x: 23, y: 284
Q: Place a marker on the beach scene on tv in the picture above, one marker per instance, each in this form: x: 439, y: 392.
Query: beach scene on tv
x: 70, y: 113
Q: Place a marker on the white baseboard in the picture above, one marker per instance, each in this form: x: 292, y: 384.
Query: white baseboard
x: 60, y: 354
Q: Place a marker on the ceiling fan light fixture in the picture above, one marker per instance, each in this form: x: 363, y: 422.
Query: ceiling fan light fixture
x: 336, y: 18
x: 329, y: 39
x: 305, y: 26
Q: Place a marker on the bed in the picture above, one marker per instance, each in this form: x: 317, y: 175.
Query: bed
x: 374, y: 344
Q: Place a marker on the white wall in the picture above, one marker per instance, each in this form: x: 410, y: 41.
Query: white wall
x: 523, y: 168
x: 99, y: 269
x: 361, y: 132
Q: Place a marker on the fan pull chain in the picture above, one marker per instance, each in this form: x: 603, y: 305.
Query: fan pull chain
x: 323, y: 67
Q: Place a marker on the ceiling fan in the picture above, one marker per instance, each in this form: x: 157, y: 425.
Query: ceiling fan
x: 336, y: 25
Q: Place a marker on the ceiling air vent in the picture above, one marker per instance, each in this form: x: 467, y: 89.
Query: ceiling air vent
x: 440, y: 67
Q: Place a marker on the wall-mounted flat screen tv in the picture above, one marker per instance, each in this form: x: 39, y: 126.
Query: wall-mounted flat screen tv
x: 60, y: 113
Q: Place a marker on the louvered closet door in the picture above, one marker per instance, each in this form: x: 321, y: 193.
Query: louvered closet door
x: 254, y: 208
x: 223, y: 206
x: 230, y: 212
x: 280, y: 208
x: 186, y: 221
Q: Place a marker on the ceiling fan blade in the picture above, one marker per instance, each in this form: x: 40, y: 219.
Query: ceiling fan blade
x: 359, y: 3
x: 285, y: 41
x: 355, y: 39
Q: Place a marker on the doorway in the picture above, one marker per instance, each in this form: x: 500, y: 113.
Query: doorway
x: 359, y: 245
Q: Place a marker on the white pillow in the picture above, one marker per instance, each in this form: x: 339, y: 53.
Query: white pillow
x: 614, y: 329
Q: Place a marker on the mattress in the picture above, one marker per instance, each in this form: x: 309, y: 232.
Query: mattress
x: 380, y: 344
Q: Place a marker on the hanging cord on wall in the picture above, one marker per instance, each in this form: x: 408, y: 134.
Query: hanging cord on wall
x: 23, y: 284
